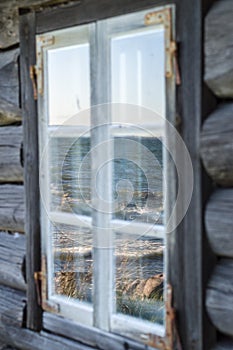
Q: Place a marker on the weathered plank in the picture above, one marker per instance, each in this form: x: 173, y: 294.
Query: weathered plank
x: 217, y: 145
x: 31, y: 166
x: 12, y: 208
x: 91, y: 336
x: 12, y: 254
x: 219, y: 222
x: 219, y: 297
x: 9, y: 82
x: 90, y: 11
x: 9, y: 113
x: 11, y: 138
x: 11, y: 322
x: 219, y: 49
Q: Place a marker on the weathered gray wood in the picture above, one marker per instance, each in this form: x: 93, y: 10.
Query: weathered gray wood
x: 4, y: 346
x: 9, y: 19
x: 31, y: 166
x: 91, y: 336
x: 9, y: 82
x: 219, y: 49
x: 12, y: 208
x: 219, y: 222
x: 11, y: 138
x: 224, y: 344
x: 219, y: 297
x: 12, y: 254
x: 11, y: 299
x: 9, y: 113
x: 90, y: 11
x: 217, y: 145
x: 25, y: 339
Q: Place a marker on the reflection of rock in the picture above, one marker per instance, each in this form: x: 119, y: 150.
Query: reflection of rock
x: 149, y: 288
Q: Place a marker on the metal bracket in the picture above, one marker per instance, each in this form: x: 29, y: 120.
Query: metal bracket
x: 41, y: 43
x: 42, y: 291
x: 34, y: 80
x: 171, y: 340
x: 164, y: 17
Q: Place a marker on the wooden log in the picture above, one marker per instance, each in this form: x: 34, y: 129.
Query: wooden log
x: 4, y: 346
x: 11, y: 322
x: 12, y: 303
x: 216, y: 145
x: 219, y: 222
x: 12, y: 208
x: 9, y: 82
x: 11, y: 139
x: 224, y: 344
x: 9, y: 113
x: 219, y: 49
x: 12, y: 254
x: 219, y: 297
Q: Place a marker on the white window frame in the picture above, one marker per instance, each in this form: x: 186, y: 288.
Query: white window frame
x: 99, y: 317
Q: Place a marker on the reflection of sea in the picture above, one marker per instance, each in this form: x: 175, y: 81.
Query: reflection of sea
x: 71, y: 190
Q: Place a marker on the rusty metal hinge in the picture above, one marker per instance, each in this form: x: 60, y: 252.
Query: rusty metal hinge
x: 164, y: 17
x: 42, y: 290
x: 42, y: 41
x: 171, y: 340
x: 32, y: 71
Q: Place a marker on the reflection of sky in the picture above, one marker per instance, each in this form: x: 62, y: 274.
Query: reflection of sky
x: 137, y: 70
x: 69, y: 82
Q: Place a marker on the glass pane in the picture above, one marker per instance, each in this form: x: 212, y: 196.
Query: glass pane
x: 138, y: 179
x: 138, y: 72
x: 138, y: 78
x: 68, y: 84
x: 72, y: 262
x: 140, y: 278
x: 69, y: 176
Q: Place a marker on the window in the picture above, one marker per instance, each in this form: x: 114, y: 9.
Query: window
x: 101, y: 123
x: 96, y: 116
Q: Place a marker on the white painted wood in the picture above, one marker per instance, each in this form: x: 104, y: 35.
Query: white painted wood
x: 101, y: 185
x: 136, y: 328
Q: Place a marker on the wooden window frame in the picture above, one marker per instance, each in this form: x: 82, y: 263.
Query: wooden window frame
x: 185, y: 250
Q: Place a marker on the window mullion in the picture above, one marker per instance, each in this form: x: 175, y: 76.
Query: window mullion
x: 101, y: 178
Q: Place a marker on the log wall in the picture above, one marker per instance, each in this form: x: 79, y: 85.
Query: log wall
x: 217, y: 157
x: 216, y: 153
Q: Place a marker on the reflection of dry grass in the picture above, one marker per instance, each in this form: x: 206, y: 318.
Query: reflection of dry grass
x: 139, y: 290
x: 69, y: 282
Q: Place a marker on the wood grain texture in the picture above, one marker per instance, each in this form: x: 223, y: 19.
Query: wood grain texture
x: 9, y: 113
x: 27, y: 340
x: 31, y: 166
x: 219, y: 222
x: 219, y: 297
x: 12, y: 208
x: 12, y: 254
x: 11, y: 139
x: 9, y: 19
x: 219, y: 49
x: 90, y: 336
x: 81, y: 12
x: 217, y: 145
x: 9, y: 82
x: 12, y: 303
